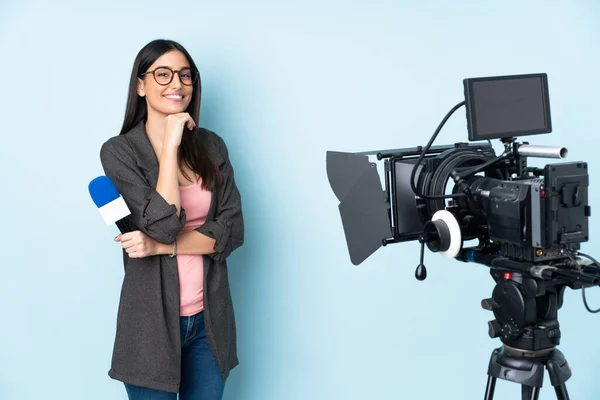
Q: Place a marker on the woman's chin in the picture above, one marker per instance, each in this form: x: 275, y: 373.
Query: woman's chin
x: 174, y: 109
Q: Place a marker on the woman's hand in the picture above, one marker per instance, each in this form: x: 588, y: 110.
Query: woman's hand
x: 174, y: 125
x: 137, y: 244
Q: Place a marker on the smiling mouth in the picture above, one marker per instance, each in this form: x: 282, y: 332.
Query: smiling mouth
x: 174, y: 97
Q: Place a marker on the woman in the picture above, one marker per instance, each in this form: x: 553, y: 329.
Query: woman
x: 175, y: 325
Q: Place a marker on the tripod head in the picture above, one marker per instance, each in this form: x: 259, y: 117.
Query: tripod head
x: 525, y: 303
x: 527, y: 297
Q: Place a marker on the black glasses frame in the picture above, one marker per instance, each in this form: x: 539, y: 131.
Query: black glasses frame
x: 173, y: 72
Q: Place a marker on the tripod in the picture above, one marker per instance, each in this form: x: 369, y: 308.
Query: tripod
x: 527, y: 369
x: 527, y: 324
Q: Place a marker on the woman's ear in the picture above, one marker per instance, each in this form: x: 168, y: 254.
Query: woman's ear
x: 140, y: 88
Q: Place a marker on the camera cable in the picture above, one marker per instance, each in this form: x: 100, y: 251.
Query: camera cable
x: 422, y: 156
x: 597, y: 264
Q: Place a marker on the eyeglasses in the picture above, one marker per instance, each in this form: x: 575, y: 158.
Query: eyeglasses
x: 164, y: 75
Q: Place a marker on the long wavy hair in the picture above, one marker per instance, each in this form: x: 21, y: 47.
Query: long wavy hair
x: 192, y: 151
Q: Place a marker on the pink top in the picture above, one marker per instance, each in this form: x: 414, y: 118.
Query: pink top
x: 196, y: 202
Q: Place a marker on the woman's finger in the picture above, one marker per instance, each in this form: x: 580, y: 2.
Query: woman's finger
x: 128, y: 245
x: 125, y: 237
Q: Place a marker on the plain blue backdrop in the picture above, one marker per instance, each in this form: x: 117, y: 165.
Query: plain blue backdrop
x: 283, y: 83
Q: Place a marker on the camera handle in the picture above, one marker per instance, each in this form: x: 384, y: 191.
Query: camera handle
x: 421, y: 272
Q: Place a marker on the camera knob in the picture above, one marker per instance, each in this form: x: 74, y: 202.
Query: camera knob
x: 490, y: 304
x: 554, y: 336
x: 494, y: 329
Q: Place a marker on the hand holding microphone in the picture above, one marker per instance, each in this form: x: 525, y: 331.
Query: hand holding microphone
x: 113, y: 209
x: 137, y: 244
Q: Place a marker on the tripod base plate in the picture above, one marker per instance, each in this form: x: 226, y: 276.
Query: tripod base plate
x: 528, y: 371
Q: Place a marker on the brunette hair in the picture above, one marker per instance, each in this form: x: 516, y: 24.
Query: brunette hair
x: 192, y: 151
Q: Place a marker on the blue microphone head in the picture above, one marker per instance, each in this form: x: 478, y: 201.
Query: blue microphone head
x: 103, y: 191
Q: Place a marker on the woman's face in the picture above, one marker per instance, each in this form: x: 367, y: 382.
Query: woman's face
x: 168, y: 98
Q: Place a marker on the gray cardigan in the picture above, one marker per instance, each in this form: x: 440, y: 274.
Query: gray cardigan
x: 147, y: 347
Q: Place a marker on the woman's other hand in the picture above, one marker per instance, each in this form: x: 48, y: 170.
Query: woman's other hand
x: 174, y: 125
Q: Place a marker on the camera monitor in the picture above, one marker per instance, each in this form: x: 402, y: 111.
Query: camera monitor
x: 507, y: 106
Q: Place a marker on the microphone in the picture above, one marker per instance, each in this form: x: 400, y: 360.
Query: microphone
x: 110, y: 203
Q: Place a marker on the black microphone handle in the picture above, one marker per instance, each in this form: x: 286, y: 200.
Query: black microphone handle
x: 122, y: 225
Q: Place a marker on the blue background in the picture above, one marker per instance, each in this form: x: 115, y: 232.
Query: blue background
x: 283, y: 83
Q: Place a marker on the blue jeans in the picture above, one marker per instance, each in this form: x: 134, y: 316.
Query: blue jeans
x: 200, y: 376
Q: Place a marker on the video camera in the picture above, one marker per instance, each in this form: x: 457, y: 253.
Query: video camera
x: 528, y: 223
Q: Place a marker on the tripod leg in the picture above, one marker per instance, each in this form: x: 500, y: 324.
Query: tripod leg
x: 561, y: 392
x: 535, y: 393
x: 529, y: 392
x: 491, y: 385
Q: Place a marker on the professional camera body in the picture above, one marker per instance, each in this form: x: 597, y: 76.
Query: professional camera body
x: 527, y: 223
x: 527, y: 214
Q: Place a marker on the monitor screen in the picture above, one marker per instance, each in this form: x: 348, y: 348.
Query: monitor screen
x: 507, y: 106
